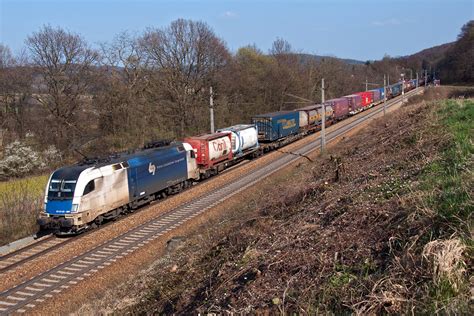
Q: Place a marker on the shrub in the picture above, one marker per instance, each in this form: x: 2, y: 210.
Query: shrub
x: 22, y: 160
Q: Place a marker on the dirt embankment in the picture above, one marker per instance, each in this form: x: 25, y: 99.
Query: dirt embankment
x: 355, y: 231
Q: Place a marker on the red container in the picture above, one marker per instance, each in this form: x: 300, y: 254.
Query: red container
x: 340, y: 106
x: 211, y: 149
x: 367, y: 98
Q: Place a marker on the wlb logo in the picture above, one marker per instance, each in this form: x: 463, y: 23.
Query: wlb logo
x: 151, y: 168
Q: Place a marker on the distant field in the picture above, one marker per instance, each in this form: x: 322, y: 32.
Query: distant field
x: 20, y: 203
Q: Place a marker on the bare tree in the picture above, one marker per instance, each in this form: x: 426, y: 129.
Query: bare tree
x: 66, y: 64
x: 285, y: 71
x: 184, y: 58
x: 122, y: 105
x: 15, y: 91
x: 6, y: 57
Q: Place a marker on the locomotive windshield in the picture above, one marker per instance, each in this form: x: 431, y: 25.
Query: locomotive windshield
x: 61, y: 189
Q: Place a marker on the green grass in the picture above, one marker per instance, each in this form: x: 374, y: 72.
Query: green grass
x: 447, y: 186
x: 449, y: 179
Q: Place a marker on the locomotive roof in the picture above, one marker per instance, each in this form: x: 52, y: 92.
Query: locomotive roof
x: 69, y: 173
x: 119, y: 157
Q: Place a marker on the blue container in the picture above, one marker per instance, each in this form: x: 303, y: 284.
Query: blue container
x: 276, y: 125
x: 396, y: 89
x: 155, y: 169
x: 382, y: 94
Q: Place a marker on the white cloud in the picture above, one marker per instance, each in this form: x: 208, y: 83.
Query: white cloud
x: 391, y: 21
x: 229, y: 14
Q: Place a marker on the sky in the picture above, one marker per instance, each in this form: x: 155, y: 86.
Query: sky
x: 357, y: 29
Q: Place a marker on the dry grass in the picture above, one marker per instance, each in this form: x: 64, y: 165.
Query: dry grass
x: 446, y: 259
x: 20, y: 203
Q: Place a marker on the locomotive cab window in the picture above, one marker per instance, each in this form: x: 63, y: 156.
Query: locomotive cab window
x: 61, y: 189
x: 192, y: 154
x: 89, y: 187
x: 68, y: 186
x: 55, y: 185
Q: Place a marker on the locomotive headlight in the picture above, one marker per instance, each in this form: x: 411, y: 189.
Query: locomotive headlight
x: 74, y: 208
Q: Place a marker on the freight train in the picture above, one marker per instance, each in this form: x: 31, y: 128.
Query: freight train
x: 84, y: 195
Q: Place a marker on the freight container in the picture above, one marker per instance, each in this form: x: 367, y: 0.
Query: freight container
x: 276, y: 125
x: 395, y: 89
x: 308, y: 115
x: 211, y: 149
x: 340, y: 106
x: 244, y: 137
x: 382, y: 93
x: 376, y: 94
x: 355, y: 103
x: 155, y: 169
x: 366, y: 98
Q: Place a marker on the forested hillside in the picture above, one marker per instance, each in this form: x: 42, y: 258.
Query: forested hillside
x: 458, y: 64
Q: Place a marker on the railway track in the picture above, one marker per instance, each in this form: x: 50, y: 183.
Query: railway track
x: 30, y: 252
x: 27, y: 295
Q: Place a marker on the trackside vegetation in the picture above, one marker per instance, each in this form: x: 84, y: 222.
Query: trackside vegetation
x: 449, y: 179
x: 20, y: 203
x: 447, y: 186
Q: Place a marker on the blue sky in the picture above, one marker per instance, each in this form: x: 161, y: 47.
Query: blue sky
x: 361, y: 29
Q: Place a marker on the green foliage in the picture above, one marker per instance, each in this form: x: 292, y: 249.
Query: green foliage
x: 448, y: 178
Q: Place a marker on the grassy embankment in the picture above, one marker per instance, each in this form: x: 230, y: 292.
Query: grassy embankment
x: 20, y: 203
x: 382, y: 224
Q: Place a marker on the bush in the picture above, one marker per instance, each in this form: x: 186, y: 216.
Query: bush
x: 22, y: 160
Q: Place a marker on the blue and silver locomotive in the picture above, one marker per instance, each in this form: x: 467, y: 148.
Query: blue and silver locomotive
x: 84, y: 195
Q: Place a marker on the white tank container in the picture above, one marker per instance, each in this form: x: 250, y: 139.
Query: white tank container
x: 243, y: 136
x: 303, y: 118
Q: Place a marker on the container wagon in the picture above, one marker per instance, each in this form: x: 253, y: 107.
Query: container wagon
x: 376, y: 96
x: 277, y: 129
x: 354, y: 102
x: 277, y: 125
x: 395, y: 90
x: 244, y: 139
x: 366, y: 98
x: 213, y: 152
x: 340, y: 107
